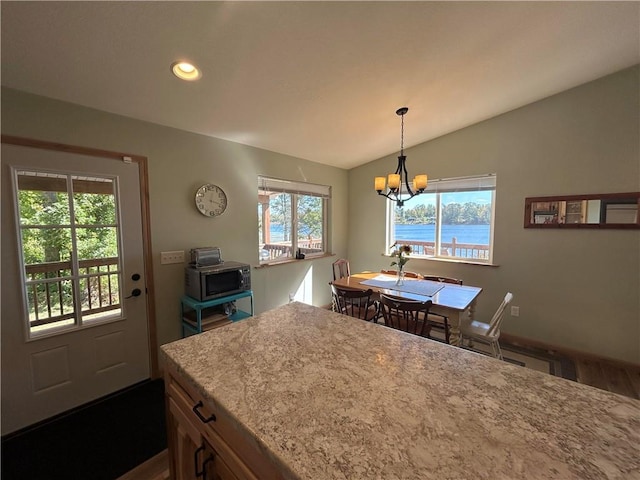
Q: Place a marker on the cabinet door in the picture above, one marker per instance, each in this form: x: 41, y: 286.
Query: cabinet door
x: 185, y: 444
x: 191, y: 456
x: 214, y: 467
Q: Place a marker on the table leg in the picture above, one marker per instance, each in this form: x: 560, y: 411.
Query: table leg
x: 454, y: 328
x: 455, y: 319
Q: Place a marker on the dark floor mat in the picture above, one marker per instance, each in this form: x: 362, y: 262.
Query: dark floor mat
x: 103, y: 440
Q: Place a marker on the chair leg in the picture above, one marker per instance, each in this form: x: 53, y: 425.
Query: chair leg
x: 497, y: 352
x: 378, y: 313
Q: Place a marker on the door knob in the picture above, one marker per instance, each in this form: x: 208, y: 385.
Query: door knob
x: 136, y: 292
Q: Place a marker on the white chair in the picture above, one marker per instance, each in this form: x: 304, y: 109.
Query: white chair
x: 488, y: 333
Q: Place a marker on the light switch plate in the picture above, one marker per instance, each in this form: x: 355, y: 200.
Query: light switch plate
x: 176, y: 256
x: 515, y: 311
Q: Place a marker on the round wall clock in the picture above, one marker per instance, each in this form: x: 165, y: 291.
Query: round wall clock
x: 211, y: 200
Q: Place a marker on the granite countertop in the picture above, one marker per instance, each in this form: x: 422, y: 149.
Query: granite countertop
x: 332, y: 397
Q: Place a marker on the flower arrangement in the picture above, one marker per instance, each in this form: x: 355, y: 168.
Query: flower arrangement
x: 402, y: 254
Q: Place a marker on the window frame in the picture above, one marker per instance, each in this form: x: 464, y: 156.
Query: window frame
x: 438, y: 187
x: 81, y: 318
x: 296, y: 189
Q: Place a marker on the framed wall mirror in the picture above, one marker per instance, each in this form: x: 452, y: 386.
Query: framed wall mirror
x: 604, y: 210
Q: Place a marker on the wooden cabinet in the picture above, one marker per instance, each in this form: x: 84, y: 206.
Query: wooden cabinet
x: 191, y: 456
x: 203, y: 443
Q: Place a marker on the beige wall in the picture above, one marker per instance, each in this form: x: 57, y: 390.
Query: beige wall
x: 179, y: 162
x: 575, y: 288
x: 578, y: 289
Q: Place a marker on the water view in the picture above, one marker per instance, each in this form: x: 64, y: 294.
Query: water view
x: 476, y: 234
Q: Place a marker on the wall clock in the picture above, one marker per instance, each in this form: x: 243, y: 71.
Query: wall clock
x: 211, y: 200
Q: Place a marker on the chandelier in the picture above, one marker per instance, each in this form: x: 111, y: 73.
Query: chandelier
x: 399, y: 189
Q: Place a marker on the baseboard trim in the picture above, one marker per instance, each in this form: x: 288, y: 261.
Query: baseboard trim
x: 569, y: 352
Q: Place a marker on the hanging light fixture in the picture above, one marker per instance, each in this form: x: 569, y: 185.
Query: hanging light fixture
x: 399, y: 188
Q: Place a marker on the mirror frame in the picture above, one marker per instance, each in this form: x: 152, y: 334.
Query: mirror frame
x: 628, y: 198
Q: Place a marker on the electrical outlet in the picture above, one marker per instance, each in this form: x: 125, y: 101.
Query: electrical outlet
x: 515, y: 311
x: 176, y: 256
x: 292, y: 297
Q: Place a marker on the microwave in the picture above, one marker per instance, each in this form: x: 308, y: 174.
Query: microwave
x: 216, y: 281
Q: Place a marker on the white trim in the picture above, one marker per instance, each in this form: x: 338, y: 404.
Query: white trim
x: 461, y: 184
x: 290, y: 186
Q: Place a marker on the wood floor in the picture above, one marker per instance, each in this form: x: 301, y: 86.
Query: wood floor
x: 620, y: 378
x: 156, y: 468
x: 611, y: 376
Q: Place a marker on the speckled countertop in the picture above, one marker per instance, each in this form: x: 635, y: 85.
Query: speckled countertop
x: 333, y: 397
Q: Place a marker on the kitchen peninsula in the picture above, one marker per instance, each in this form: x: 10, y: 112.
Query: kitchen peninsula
x: 299, y: 392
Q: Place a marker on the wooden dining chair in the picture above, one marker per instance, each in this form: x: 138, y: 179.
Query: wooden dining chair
x: 406, y: 315
x: 355, y: 303
x: 341, y: 268
x: 487, y: 332
x: 439, y: 278
x: 406, y: 274
x: 437, y: 321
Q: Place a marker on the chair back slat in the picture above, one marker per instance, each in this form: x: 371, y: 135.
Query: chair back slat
x: 494, y: 324
x: 406, y: 315
x: 355, y: 303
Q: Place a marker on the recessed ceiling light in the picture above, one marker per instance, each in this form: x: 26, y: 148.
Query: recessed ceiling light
x: 185, y: 71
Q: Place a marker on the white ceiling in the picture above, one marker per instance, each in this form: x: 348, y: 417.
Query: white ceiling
x: 316, y: 80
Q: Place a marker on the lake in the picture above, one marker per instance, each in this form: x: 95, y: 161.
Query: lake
x: 477, y: 234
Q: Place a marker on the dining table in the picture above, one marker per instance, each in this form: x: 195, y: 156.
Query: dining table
x: 450, y: 300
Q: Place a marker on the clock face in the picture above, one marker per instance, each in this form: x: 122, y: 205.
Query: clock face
x: 211, y: 200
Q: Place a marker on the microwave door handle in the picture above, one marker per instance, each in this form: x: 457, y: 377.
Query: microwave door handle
x: 241, y: 277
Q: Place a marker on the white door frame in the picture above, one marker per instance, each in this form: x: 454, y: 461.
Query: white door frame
x: 146, y: 223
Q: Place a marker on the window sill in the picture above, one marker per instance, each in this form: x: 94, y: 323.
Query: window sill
x: 276, y: 263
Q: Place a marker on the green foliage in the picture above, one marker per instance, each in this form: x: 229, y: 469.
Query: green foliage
x: 470, y: 213
x: 280, y: 211
x: 46, y: 236
x: 309, y: 216
x: 309, y: 209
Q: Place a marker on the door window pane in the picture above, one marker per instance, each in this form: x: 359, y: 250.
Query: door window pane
x: 71, y: 262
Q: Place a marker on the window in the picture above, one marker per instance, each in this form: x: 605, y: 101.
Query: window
x: 292, y: 219
x: 453, y: 219
x: 69, y: 250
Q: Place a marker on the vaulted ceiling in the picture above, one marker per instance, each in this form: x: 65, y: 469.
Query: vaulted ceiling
x: 316, y: 80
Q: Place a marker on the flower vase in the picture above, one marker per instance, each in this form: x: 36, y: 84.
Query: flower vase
x: 400, y: 279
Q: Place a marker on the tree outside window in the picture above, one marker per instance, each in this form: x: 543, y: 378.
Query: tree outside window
x: 291, y: 219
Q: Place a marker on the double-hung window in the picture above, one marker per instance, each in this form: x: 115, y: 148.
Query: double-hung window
x: 453, y: 219
x: 292, y: 219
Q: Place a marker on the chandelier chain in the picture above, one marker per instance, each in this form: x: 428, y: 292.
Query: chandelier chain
x: 402, y: 135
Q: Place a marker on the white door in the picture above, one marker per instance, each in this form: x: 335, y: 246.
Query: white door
x: 73, y: 328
